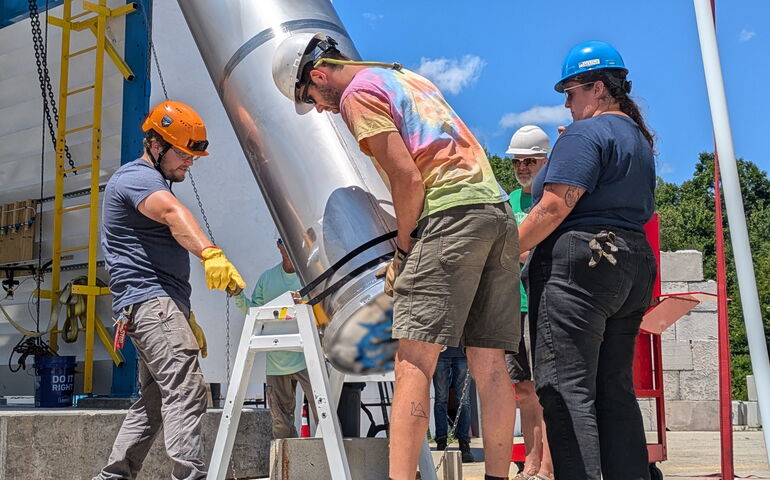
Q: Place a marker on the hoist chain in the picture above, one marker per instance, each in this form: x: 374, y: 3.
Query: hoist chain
x: 41, y: 59
x: 227, y: 308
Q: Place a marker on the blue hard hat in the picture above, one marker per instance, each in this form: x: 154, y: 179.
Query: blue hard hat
x: 587, y: 56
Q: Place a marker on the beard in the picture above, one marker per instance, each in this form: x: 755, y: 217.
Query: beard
x: 331, y: 95
x: 524, y: 182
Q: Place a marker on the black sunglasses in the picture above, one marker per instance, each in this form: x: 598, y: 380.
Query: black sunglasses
x: 527, y: 162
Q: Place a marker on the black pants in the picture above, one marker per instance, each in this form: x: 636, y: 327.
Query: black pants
x: 584, y: 325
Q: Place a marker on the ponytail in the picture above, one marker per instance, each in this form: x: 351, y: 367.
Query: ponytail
x: 619, y: 88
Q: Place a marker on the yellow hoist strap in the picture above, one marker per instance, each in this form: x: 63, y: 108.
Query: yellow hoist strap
x: 334, y: 61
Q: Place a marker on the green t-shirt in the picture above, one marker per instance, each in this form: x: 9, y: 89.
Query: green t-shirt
x: 521, y: 203
x: 271, y: 284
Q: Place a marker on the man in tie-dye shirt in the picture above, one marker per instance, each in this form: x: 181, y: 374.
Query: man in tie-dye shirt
x: 457, y: 241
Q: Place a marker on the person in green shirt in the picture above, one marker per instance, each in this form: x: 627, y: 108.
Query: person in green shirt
x: 529, y: 147
x: 284, y: 369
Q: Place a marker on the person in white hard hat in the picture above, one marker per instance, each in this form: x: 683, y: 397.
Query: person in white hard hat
x: 457, y: 243
x: 529, y: 147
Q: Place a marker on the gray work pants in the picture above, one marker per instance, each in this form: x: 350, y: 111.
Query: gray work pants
x: 281, y: 395
x: 172, y: 394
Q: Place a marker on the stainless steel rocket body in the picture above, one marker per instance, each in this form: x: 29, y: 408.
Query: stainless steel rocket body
x: 324, y: 195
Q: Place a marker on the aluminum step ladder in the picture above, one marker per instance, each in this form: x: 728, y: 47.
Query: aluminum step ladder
x: 284, y: 325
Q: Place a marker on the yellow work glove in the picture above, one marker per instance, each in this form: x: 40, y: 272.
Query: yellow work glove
x: 220, y: 273
x: 200, y: 337
x: 392, y: 270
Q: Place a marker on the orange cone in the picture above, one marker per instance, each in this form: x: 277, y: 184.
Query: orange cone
x: 305, y: 429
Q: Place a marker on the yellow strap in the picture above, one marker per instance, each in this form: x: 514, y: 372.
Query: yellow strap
x: 394, y: 65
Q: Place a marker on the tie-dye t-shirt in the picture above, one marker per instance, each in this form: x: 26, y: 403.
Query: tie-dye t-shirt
x: 455, y: 170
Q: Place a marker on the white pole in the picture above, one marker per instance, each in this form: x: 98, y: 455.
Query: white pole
x: 737, y: 220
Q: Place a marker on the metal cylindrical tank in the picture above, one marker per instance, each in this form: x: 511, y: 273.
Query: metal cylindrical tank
x: 325, y: 196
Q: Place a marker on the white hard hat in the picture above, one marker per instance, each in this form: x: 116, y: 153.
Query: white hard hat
x: 529, y: 140
x: 290, y: 59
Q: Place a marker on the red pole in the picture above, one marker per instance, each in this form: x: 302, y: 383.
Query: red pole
x: 725, y: 376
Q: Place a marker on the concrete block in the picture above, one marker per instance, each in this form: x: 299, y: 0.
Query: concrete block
x: 305, y: 458
x: 709, y: 286
x: 705, y: 354
x: 671, y: 384
x: 751, y: 388
x: 673, y: 287
x: 739, y: 413
x: 681, y: 266
x: 668, y: 334
x: 697, y: 326
x: 677, y: 355
x: 77, y: 443
x: 685, y: 415
x: 698, y: 385
x: 649, y: 417
x: 753, y: 417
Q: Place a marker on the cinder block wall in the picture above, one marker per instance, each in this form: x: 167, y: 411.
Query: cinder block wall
x: 690, y: 350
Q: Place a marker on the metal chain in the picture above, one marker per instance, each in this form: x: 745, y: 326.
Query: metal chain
x: 466, y: 384
x: 227, y: 308
x: 41, y: 60
x: 153, y: 53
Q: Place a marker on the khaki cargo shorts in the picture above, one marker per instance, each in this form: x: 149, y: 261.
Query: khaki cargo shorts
x: 461, y: 280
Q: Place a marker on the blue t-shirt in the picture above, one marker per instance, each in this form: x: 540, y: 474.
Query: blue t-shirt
x: 143, y: 258
x: 608, y: 156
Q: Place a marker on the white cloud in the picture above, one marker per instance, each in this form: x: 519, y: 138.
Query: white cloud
x: 452, y: 75
x: 372, y: 17
x: 537, y: 115
x: 746, y: 35
x: 666, y: 168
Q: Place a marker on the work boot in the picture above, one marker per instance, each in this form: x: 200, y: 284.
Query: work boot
x: 441, y: 443
x: 465, y: 451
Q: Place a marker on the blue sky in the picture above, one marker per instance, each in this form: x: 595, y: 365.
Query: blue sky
x: 497, y: 62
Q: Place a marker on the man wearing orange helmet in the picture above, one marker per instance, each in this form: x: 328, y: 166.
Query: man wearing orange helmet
x: 146, y: 234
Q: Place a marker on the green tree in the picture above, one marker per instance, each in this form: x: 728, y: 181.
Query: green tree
x: 687, y: 222
x: 503, y: 170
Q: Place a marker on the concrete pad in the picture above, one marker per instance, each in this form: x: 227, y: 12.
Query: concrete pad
x: 74, y: 444
x: 305, y: 458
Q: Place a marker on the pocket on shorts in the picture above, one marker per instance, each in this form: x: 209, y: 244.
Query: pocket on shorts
x: 605, y: 279
x: 509, y: 258
x: 457, y: 250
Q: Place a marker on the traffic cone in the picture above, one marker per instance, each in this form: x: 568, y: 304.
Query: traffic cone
x: 305, y: 429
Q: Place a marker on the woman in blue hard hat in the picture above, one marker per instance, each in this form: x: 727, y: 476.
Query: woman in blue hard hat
x: 590, y: 276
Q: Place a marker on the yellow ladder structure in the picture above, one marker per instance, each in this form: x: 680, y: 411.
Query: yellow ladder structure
x: 94, y: 17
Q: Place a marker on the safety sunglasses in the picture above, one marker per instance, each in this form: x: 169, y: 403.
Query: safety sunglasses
x: 184, y: 156
x: 305, y: 94
x: 527, y: 162
x: 568, y: 93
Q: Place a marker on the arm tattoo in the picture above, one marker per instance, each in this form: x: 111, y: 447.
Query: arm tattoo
x: 418, y: 410
x: 571, y: 196
x: 539, y: 212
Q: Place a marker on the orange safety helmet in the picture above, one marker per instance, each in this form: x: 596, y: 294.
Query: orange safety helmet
x: 179, y: 125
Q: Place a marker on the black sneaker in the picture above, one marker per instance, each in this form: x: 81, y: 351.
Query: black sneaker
x: 441, y: 444
x: 465, y: 451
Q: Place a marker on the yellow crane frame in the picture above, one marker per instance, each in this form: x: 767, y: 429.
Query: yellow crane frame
x: 99, y: 13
